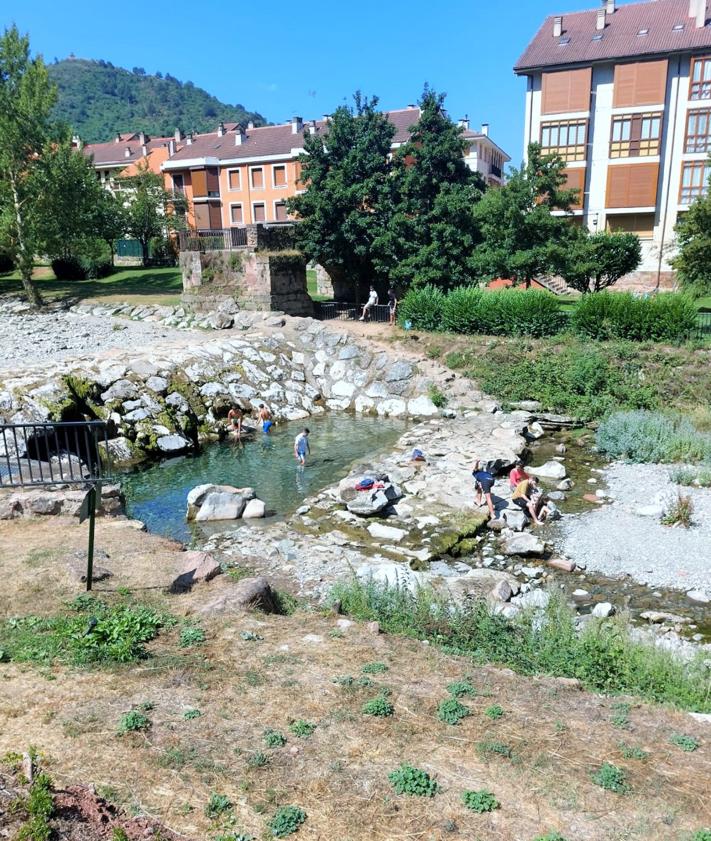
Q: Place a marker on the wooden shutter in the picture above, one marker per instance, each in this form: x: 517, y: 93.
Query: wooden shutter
x: 640, y: 83
x: 632, y: 185
x: 199, y: 179
x: 259, y: 213
x: 202, y: 217
x: 566, y: 90
x: 213, y: 180
x: 215, y: 217
x: 575, y: 180
x: 280, y: 209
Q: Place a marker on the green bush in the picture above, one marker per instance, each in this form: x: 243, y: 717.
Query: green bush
x: 493, y: 712
x: 686, y: 743
x: 274, y: 739
x: 302, y: 729
x: 217, y: 805
x: 509, y: 312
x: 375, y: 668
x: 461, y: 687
x: 379, y: 707
x: 6, y: 264
x: 667, y: 317
x: 612, y: 778
x: 461, y: 311
x: 191, y: 635
x: 653, y: 437
x: 133, y: 722
x: 450, y: 711
x: 422, y: 308
x: 287, y: 821
x: 40, y: 808
x: 81, y: 268
x: 603, y: 657
x: 701, y: 835
x: 480, y: 801
x: 413, y: 781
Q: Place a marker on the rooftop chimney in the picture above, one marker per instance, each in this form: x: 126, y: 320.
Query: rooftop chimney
x: 178, y: 135
x: 117, y: 139
x: 610, y: 7
x: 250, y: 124
x: 296, y: 125
x: 557, y: 26
x: 171, y: 148
x: 701, y: 14
x: 411, y: 105
x: 144, y: 150
x: 312, y: 127
x: 464, y: 122
x: 141, y: 137
x: 76, y: 141
x: 485, y: 129
x: 127, y: 152
x: 240, y: 136
x: 326, y: 118
x: 221, y: 129
x: 601, y: 15
x: 189, y: 138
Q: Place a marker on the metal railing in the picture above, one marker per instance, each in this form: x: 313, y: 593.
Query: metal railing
x: 217, y: 239
x: 330, y: 310
x: 703, y: 324
x: 35, y: 455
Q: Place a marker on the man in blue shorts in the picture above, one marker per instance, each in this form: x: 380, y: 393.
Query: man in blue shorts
x: 265, y: 418
x: 301, y: 446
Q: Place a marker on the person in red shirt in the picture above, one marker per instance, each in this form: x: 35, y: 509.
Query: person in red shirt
x: 517, y: 475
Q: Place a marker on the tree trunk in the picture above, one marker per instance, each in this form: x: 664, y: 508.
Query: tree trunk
x: 25, y: 258
x: 144, y: 251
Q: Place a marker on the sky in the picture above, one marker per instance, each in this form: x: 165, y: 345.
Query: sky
x: 283, y: 58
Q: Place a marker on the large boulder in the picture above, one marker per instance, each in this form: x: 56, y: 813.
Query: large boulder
x: 196, y: 567
x: 369, y: 503
x: 515, y: 518
x: 523, y: 544
x: 221, y: 506
x: 172, y: 444
x: 255, y: 509
x: 549, y: 470
x: 382, y: 532
x: 198, y: 494
x: 249, y: 593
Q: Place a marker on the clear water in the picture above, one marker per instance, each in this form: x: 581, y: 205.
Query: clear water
x: 157, y: 495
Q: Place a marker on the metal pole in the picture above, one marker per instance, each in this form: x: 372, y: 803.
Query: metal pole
x: 92, y: 523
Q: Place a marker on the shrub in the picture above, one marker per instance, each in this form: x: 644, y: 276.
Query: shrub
x: 274, y: 739
x: 379, y: 707
x: 493, y: 748
x: 480, y: 801
x: 632, y: 752
x: 40, y: 808
x: 683, y: 476
x: 437, y: 396
x: 679, y: 512
x: 687, y: 743
x: 257, y: 760
x: 375, y: 668
x: 217, y: 805
x: 494, y: 712
x: 652, y: 437
x: 6, y: 264
x: 133, y: 722
x: 461, y: 311
x: 701, y: 835
x: 190, y: 715
x: 450, y: 711
x: 422, y: 308
x: 68, y: 268
x: 287, y: 821
x: 461, y: 687
x: 302, y: 729
x: 510, y: 312
x: 413, y: 781
x: 191, y: 635
x: 666, y: 317
x: 612, y: 778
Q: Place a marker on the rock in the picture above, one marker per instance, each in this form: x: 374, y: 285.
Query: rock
x: 657, y: 617
x: 531, y: 572
x: 561, y: 449
x: 502, y: 592
x: 527, y: 405
x: 172, y: 444
x: 565, y: 485
x: 196, y: 567
x: 558, y: 496
x: 549, y: 470
x: 580, y: 594
x: 368, y: 503
x: 497, y: 525
x: 553, y: 511
x: 159, y: 385
x: 240, y: 595
x: 603, y: 610
x: 704, y: 718
x: 373, y: 628
x: 398, y: 372
x: 255, y: 509
x: 698, y: 596
x: 382, y: 532
x: 10, y: 508
x: 563, y: 564
x: 197, y: 496
x: 533, y: 599
x: 120, y: 390
x: 653, y: 511
x: 535, y: 430
x: 45, y: 505
x: 118, y: 449
x: 344, y: 624
x: 422, y: 407
x: 221, y: 506
x: 593, y: 498
x: 514, y: 518
x: 523, y: 544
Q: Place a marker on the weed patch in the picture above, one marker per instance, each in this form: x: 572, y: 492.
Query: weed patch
x: 611, y: 778
x: 258, y: 759
x: 679, y: 512
x: 493, y: 748
x: 39, y: 807
x: 379, y: 707
x: 493, y: 712
x: 451, y: 711
x: 217, y: 806
x: 133, y: 722
x: 653, y: 437
x: 632, y: 752
x: 413, y: 781
x: 189, y: 715
x: 302, y: 729
x: 480, y: 801
x: 686, y: 743
x: 621, y: 715
x: 374, y: 668
x: 191, y: 635
x: 274, y: 739
x: 287, y: 821
x: 460, y: 688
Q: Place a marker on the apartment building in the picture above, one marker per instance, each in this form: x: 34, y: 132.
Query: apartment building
x: 623, y: 94
x: 241, y: 175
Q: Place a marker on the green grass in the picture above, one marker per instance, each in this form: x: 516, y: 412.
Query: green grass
x: 312, y: 286
x: 686, y: 743
x: 379, y: 707
x: 39, y: 807
x: 139, y: 286
x: 603, y: 657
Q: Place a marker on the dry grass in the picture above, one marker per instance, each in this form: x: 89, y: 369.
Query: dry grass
x: 339, y: 774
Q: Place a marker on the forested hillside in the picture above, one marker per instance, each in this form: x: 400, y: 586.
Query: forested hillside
x: 98, y: 99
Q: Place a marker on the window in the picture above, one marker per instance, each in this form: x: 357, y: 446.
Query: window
x: 279, y: 176
x: 641, y: 224
x: 257, y: 176
x: 698, y: 132
x: 280, y: 211
x: 565, y: 139
x: 236, y: 216
x: 700, y: 79
x: 234, y: 180
x: 259, y: 213
x: 178, y: 183
x: 694, y: 181
x: 635, y: 135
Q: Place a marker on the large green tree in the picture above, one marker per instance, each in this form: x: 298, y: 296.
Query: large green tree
x: 520, y: 233
x: 345, y: 210
x: 26, y: 133
x: 433, y: 193
x: 593, y: 262
x: 693, y: 231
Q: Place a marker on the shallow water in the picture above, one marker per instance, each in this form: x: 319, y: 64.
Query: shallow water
x: 157, y: 495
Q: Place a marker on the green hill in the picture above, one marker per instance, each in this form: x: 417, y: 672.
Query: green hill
x: 98, y: 99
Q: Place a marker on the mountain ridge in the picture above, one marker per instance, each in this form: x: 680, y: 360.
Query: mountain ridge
x: 98, y: 99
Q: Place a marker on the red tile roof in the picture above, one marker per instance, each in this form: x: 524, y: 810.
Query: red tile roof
x: 620, y: 36
x: 273, y: 140
x: 113, y: 153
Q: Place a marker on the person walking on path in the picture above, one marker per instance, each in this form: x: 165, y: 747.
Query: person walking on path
x: 392, y: 305
x: 483, y: 483
x: 301, y: 446
x: 265, y: 418
x: 527, y: 498
x: 372, y: 302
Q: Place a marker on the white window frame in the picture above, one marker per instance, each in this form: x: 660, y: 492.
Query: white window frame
x: 275, y: 203
x: 264, y: 205
x: 283, y: 186
x: 238, y: 170
x: 241, y: 207
x: 251, y: 178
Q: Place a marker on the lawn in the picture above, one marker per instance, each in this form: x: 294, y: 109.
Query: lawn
x: 140, y: 286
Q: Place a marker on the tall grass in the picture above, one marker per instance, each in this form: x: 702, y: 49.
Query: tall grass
x: 603, y: 656
x: 653, y: 437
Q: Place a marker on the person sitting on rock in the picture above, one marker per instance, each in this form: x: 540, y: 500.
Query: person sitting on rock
x: 234, y: 419
x: 528, y: 498
x: 517, y: 475
x: 483, y: 483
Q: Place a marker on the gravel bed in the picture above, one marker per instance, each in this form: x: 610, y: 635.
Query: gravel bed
x: 29, y: 337
x: 626, y: 537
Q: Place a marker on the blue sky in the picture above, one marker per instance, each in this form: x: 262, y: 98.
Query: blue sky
x: 284, y: 58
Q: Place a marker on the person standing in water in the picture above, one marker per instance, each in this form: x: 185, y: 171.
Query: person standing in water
x: 301, y: 446
x: 265, y: 418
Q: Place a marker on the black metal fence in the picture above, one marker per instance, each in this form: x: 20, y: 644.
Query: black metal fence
x: 41, y: 454
x: 220, y: 239
x: 703, y: 324
x: 338, y: 310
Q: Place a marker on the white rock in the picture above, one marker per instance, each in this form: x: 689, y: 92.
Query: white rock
x: 515, y: 518
x: 580, y: 594
x: 698, y: 596
x: 523, y: 544
x: 549, y: 470
x: 535, y: 430
x: 534, y: 598
x: 382, y: 532
x: 565, y: 485
x: 172, y: 443
x: 422, y: 407
x: 254, y: 510
x: 220, y: 506
x: 603, y: 609
x: 343, y: 389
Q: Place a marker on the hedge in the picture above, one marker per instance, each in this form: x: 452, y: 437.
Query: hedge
x: 667, y: 317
